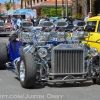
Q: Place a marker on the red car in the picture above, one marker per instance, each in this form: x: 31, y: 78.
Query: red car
x: 8, y: 27
x: 5, y: 28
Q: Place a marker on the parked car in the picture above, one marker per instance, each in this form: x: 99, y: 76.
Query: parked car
x: 93, y: 27
x: 5, y: 28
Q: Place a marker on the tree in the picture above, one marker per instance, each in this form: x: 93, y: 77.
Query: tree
x: 75, y: 7
x: 8, y: 5
x: 45, y: 11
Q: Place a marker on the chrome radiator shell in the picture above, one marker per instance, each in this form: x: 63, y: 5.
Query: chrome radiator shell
x: 67, y: 59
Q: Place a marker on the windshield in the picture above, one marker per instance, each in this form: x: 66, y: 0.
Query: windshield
x: 1, y: 23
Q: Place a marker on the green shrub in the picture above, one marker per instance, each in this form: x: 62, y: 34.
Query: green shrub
x: 77, y: 16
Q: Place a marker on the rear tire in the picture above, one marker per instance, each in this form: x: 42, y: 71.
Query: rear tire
x: 3, y: 55
x: 27, y: 70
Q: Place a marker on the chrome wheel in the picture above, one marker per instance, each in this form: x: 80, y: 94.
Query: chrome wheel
x: 22, y: 71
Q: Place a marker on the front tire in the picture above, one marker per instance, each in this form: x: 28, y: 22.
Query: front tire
x: 27, y: 70
x: 94, y: 80
x: 3, y: 55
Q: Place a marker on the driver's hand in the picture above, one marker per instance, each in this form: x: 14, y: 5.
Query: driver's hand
x: 17, y: 39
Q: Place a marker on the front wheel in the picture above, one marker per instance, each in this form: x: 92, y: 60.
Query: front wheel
x: 98, y: 80
x: 94, y: 80
x: 27, y: 70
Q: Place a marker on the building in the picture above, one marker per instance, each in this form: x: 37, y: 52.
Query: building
x: 38, y: 4
x: 42, y: 3
x: 3, y: 8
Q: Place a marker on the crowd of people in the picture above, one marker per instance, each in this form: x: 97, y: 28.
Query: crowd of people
x: 16, y: 20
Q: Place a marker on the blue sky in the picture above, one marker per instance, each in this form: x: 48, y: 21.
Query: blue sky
x: 3, y: 1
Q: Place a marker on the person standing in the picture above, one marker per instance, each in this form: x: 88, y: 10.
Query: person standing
x: 41, y: 21
x: 32, y: 20
x: 88, y: 16
x: 37, y: 21
x: 19, y: 20
x: 46, y: 18
x: 15, y: 23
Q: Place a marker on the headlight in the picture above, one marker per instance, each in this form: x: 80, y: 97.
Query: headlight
x: 80, y: 33
x: 93, y: 51
x: 42, y: 52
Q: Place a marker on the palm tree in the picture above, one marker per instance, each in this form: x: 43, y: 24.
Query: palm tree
x: 75, y: 7
x: 62, y: 8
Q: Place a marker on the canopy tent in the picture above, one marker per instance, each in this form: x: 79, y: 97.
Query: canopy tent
x: 2, y: 15
x: 26, y: 12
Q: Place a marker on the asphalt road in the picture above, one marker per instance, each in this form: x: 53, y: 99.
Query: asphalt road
x: 10, y: 88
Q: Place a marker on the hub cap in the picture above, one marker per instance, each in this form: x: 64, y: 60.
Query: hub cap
x: 22, y: 71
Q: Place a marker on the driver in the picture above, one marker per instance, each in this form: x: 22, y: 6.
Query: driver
x: 14, y: 46
x: 90, y: 27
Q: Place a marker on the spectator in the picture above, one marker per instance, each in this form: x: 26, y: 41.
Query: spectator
x: 37, y: 21
x: 32, y: 20
x: 46, y: 18
x: 19, y: 20
x: 15, y: 23
x: 88, y: 16
x: 6, y: 20
x: 41, y: 21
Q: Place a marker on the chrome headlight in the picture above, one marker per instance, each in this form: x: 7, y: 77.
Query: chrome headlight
x: 94, y: 51
x: 42, y: 52
x: 80, y: 33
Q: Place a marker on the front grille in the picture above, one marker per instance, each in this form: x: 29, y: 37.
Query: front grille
x: 67, y: 61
